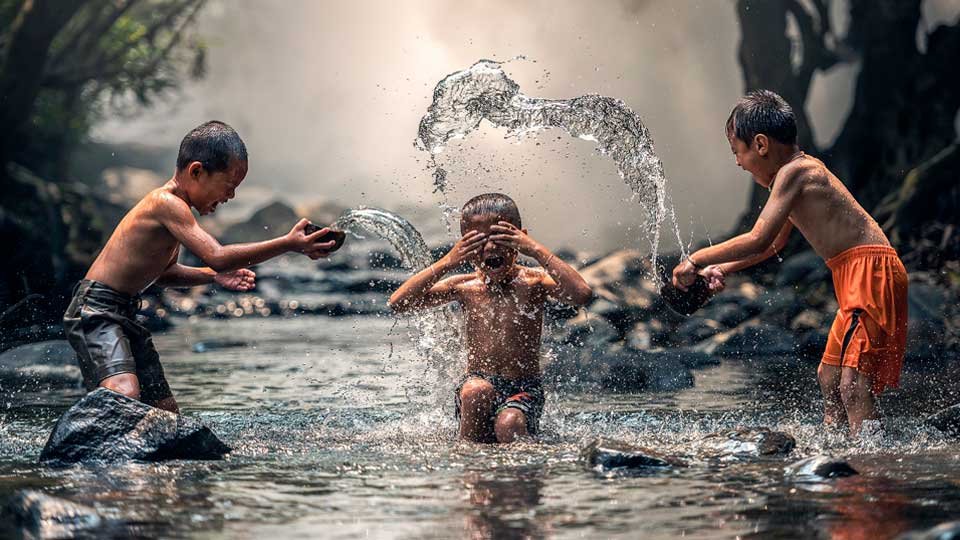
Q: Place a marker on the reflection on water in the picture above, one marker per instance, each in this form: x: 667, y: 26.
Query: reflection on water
x: 338, y: 437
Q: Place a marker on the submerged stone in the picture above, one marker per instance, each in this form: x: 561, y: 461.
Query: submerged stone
x: 607, y: 455
x: 946, y: 420
x: 106, y: 426
x: 945, y: 531
x: 44, y: 516
x: 745, y: 442
x: 819, y: 468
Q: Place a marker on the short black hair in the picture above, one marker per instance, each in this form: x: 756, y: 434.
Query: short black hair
x: 213, y: 144
x: 763, y: 111
x: 492, y: 203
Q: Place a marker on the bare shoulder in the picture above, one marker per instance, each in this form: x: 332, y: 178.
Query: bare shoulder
x: 801, y: 171
x: 162, y: 204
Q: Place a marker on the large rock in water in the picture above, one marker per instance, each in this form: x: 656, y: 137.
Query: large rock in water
x: 608, y: 455
x: 44, y: 516
x: 106, y: 426
x: 818, y: 468
x: 744, y: 442
x: 947, y: 420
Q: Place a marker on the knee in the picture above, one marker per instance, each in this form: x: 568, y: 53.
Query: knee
x: 124, y: 383
x: 476, y: 392
x: 511, y: 423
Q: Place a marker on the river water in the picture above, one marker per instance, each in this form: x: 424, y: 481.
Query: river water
x: 339, y: 432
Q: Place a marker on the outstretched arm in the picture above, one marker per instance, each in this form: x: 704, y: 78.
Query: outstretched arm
x: 753, y: 245
x: 778, y: 243
x: 176, y: 216
x: 178, y: 275
x: 562, y: 281
x: 424, y: 289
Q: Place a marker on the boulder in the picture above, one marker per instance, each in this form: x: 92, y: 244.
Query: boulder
x: 620, y: 369
x: 44, y: 516
x: 41, y: 365
x: 607, y: 455
x: 946, y: 420
x: 745, y: 442
x: 926, y: 321
x: 106, y: 426
x: 945, y: 531
x: 751, y: 339
x: 728, y: 314
x: 801, y: 269
x: 594, y: 333
x: 817, y: 468
x: 696, y: 329
x: 268, y: 222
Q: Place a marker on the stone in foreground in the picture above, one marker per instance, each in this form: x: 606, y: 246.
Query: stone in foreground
x: 106, y: 426
x: 44, y: 516
x: 819, y: 468
x: 608, y: 455
x: 945, y: 531
x: 947, y: 420
x: 745, y: 442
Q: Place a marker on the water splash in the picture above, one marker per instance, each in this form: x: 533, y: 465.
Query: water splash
x: 464, y: 98
x: 438, y: 336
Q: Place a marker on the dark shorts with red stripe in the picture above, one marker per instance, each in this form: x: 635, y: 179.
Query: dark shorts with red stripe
x: 525, y: 395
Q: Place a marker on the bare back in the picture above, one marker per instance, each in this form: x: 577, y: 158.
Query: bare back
x: 140, y: 248
x: 504, y: 323
x: 825, y: 212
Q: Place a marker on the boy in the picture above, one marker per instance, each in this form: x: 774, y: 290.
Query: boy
x: 867, y: 341
x: 115, y: 351
x: 501, y: 397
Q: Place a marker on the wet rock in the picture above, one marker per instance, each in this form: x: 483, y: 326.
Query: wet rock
x: 727, y: 315
x: 945, y: 531
x: 106, y: 426
x: 755, y: 339
x: 620, y: 369
x: 802, y: 269
x: 745, y: 442
x: 608, y: 455
x: 44, y: 516
x: 216, y: 345
x: 926, y: 321
x: 946, y: 420
x: 818, y: 468
x: 696, y: 329
x: 594, y: 333
x: 267, y: 222
x: 45, y: 364
x: 778, y: 306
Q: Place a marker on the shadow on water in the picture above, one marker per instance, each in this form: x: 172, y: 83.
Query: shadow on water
x: 340, y: 432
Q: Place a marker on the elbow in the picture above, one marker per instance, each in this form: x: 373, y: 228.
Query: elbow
x: 582, y: 295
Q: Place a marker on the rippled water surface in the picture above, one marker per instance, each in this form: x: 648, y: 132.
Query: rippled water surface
x: 340, y: 432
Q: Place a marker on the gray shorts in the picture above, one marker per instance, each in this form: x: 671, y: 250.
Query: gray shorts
x: 102, y: 327
x: 525, y: 395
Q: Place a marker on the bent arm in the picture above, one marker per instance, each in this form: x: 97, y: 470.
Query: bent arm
x: 424, y: 289
x: 755, y: 244
x: 178, y: 275
x: 778, y: 243
x: 563, y: 282
x: 176, y: 216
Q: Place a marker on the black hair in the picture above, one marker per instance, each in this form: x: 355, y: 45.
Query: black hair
x: 763, y: 111
x: 492, y: 203
x: 213, y: 144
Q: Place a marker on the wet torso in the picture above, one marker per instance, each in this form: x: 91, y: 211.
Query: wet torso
x: 138, y: 251
x: 827, y: 215
x: 504, y: 324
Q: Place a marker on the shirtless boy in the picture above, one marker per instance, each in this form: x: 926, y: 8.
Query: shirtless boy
x: 501, y: 397
x: 115, y: 351
x: 867, y: 341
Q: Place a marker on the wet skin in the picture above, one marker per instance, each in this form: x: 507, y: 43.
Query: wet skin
x: 144, y: 247
x: 806, y: 195
x: 503, y: 304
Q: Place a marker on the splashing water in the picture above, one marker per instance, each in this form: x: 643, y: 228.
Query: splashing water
x: 438, y: 331
x: 463, y: 99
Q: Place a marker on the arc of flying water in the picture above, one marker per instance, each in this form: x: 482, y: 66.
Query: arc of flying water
x: 484, y: 91
x: 438, y: 337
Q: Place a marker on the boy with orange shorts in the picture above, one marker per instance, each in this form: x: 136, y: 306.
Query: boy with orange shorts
x: 867, y: 341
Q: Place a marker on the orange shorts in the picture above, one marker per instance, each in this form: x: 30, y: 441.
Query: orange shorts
x: 869, y: 333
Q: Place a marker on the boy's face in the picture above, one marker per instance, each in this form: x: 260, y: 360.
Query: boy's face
x: 209, y: 189
x: 751, y: 157
x: 494, y: 261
